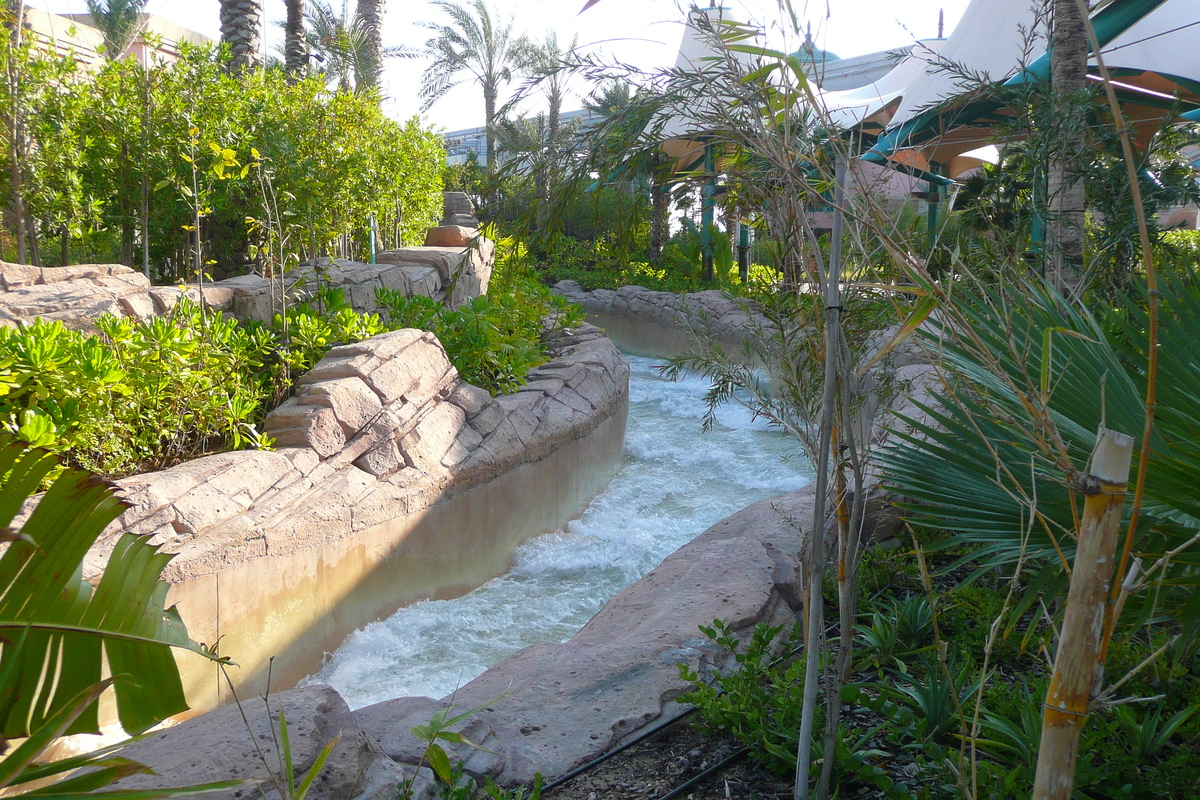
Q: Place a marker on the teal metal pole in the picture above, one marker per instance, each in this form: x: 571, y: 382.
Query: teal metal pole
x: 1035, y: 256
x: 374, y: 238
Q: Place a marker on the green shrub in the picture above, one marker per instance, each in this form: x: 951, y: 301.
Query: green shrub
x: 758, y: 704
x: 594, y: 266
x: 145, y: 395
x: 494, y: 340
x: 142, y: 395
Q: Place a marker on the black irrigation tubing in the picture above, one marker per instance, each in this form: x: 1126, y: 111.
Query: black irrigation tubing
x: 598, y: 760
x: 717, y: 767
x: 641, y: 737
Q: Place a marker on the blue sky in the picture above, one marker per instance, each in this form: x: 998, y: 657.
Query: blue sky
x: 642, y: 32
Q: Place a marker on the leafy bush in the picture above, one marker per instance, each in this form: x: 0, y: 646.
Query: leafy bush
x: 494, y: 340
x: 143, y: 395
x: 758, y: 704
x: 594, y: 266
x: 318, y: 323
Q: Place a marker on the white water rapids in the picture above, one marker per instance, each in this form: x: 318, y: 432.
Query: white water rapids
x: 675, y: 483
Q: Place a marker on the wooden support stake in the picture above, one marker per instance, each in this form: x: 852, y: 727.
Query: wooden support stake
x: 1078, y: 659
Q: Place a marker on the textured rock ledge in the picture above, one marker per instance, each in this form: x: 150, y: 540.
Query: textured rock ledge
x: 379, y: 429
x: 78, y: 295
x: 727, y: 320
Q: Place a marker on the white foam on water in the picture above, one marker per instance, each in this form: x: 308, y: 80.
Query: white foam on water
x: 676, y: 481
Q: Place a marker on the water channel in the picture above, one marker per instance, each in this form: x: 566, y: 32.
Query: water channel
x: 676, y: 481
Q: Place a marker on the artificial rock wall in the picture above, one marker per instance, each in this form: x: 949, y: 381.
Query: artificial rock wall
x: 674, y: 318
x: 78, y: 295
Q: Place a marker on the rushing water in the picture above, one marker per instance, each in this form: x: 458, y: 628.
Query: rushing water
x: 675, y: 483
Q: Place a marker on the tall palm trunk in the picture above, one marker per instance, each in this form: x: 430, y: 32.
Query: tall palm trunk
x: 489, y: 110
x: 1064, y: 183
x: 241, y: 29
x: 659, y: 217
x: 295, y: 50
x: 370, y: 16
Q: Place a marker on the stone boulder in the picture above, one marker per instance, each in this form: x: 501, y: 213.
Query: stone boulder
x: 450, y: 236
x: 458, y: 209
x: 464, y: 270
x: 75, y: 295
x: 219, y: 746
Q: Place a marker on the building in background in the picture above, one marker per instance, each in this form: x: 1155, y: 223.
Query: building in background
x: 63, y: 34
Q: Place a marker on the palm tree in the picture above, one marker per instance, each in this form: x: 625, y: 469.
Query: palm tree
x: 241, y: 30
x: 370, y: 20
x: 473, y: 43
x: 343, y: 46
x: 546, y: 58
x: 1064, y: 185
x: 119, y: 21
x: 295, y: 49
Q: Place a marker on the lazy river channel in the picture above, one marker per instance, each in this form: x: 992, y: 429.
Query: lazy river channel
x: 676, y: 481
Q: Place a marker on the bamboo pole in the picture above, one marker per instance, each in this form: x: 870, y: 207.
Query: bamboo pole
x: 1077, y: 665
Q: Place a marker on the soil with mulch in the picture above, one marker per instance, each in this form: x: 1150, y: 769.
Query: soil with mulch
x: 655, y: 767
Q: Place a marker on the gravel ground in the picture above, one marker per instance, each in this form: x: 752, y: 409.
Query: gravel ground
x: 654, y: 767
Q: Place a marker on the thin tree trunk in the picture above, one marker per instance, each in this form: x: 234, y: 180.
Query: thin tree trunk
x: 295, y: 50
x: 489, y: 115
x: 31, y: 229
x: 145, y: 221
x: 816, y: 550
x: 1077, y: 667
x: 659, y: 218
x: 15, y: 135
x: 1065, y: 185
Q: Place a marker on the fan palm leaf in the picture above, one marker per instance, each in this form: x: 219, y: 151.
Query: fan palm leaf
x: 1028, y: 381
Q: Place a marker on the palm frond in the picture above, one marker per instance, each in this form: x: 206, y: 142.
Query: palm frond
x: 57, y: 631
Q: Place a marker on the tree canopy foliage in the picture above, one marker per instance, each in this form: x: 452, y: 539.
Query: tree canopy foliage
x: 329, y: 160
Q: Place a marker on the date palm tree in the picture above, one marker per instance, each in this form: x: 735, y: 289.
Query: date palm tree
x: 475, y: 43
x: 295, y: 48
x: 119, y: 21
x: 370, y: 20
x: 1065, y: 185
x: 343, y: 45
x: 241, y: 30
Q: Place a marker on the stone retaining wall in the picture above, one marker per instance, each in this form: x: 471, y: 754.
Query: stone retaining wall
x: 676, y: 317
x: 80, y: 294
x: 389, y: 473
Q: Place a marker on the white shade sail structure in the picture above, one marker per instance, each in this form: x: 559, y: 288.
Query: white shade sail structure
x: 683, y: 134
x: 1151, y: 46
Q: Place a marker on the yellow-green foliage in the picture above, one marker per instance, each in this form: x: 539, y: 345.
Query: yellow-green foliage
x: 328, y: 160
